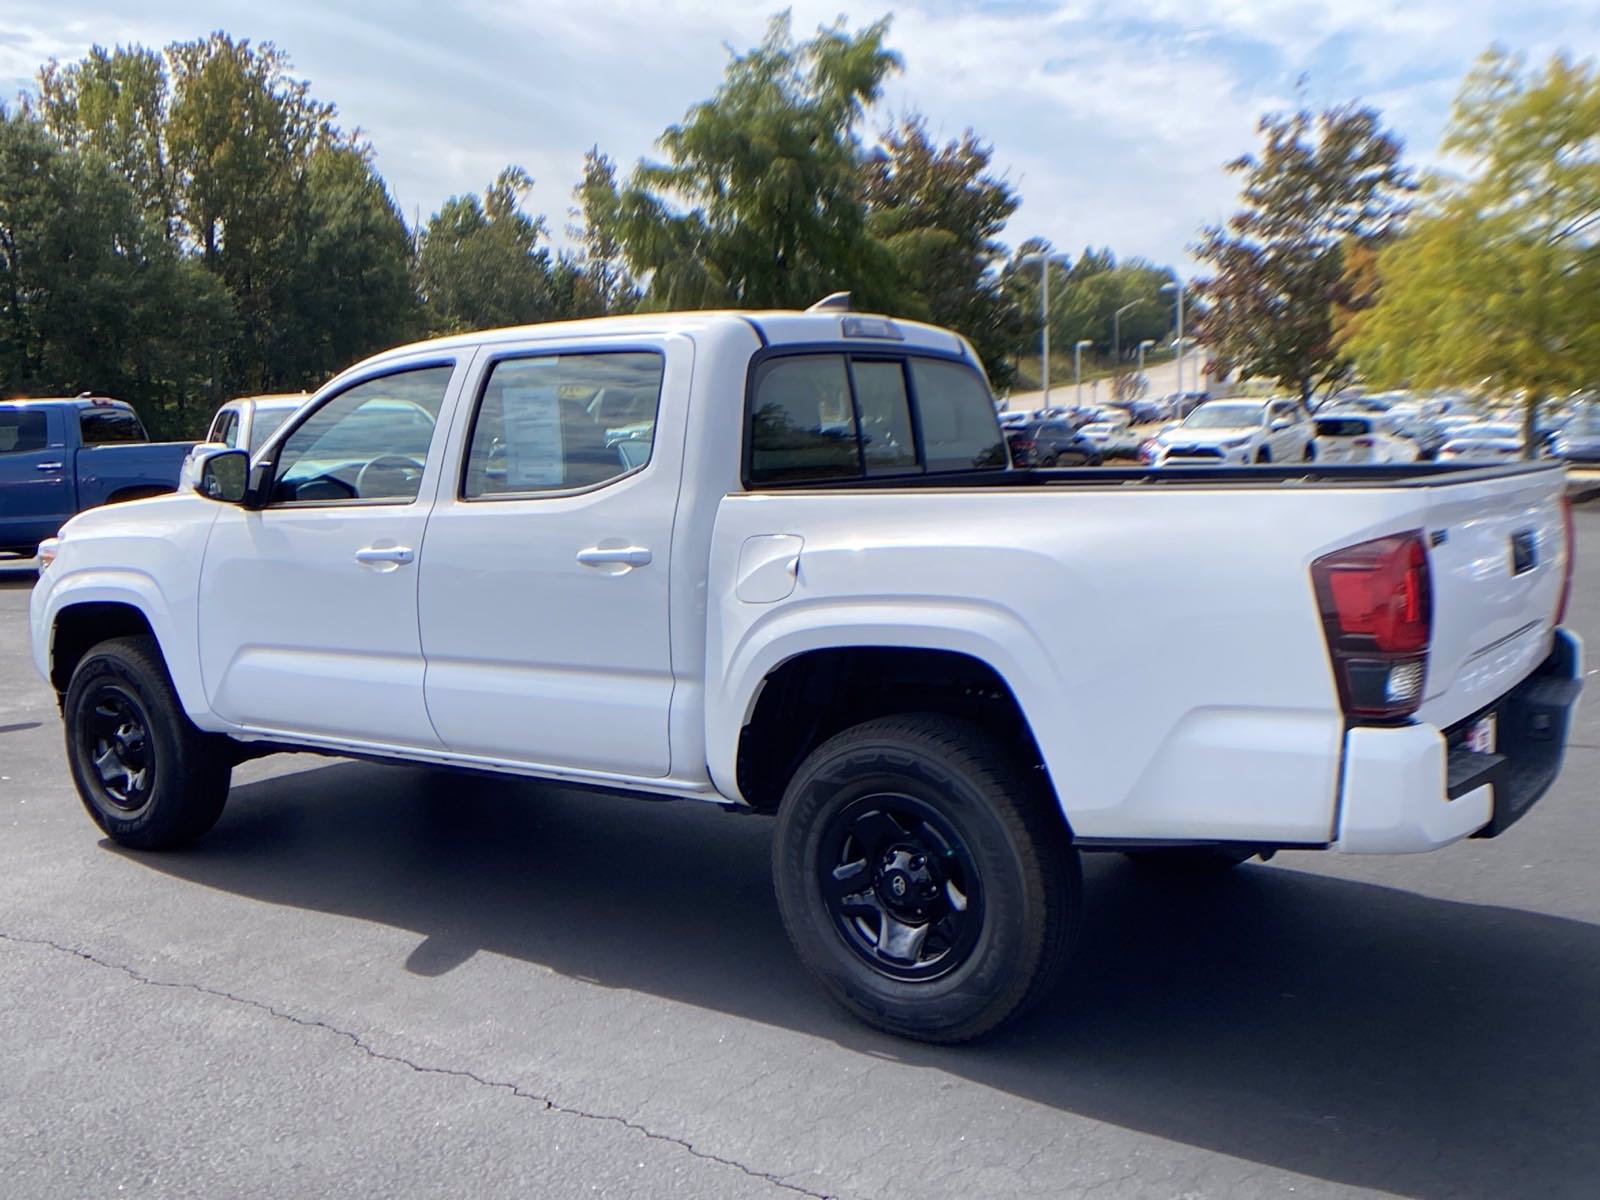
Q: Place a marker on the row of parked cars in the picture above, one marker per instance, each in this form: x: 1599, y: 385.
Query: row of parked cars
x: 1347, y: 429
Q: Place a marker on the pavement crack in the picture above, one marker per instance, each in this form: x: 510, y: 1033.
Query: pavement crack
x: 545, y: 1103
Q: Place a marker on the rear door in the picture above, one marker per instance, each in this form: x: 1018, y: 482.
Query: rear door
x: 544, y: 584
x: 36, y: 493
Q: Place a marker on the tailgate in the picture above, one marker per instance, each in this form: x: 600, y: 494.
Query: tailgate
x: 1498, y: 560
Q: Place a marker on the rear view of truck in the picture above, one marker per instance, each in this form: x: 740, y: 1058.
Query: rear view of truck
x: 1452, y: 669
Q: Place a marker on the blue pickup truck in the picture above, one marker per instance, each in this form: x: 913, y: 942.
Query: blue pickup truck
x: 59, y: 457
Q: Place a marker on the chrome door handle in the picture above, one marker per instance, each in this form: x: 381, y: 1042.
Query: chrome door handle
x: 48, y: 466
x: 632, y: 556
x: 385, y: 554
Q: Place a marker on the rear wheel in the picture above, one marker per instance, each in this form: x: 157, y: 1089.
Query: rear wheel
x: 147, y: 776
x: 1263, y: 455
x: 923, y: 878
x: 1311, y: 452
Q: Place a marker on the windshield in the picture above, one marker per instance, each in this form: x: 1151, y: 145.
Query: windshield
x: 266, y: 424
x: 1224, y: 416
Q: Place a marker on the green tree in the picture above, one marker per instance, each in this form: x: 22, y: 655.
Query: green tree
x: 939, y: 213
x: 92, y: 294
x: 603, y: 284
x: 1319, y: 184
x: 1498, y: 281
x: 759, y: 200
x: 482, y: 264
x: 237, y: 163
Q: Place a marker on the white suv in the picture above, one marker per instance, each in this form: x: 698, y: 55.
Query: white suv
x: 1231, y: 432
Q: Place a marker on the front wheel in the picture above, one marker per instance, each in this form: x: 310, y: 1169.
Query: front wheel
x: 148, y: 777
x: 923, y: 878
x: 1263, y: 455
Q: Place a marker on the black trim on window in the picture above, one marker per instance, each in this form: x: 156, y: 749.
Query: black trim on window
x: 852, y: 350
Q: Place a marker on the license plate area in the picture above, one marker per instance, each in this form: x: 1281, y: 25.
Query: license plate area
x: 1483, y: 735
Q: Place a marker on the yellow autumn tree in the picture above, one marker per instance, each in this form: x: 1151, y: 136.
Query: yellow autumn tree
x: 1497, y: 282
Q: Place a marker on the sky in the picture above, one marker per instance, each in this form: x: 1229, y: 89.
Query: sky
x: 1111, y: 120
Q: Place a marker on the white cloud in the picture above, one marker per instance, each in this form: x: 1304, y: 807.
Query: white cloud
x: 1113, y: 121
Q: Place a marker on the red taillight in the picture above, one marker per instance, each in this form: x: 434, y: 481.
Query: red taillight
x: 1365, y: 443
x: 1572, y: 555
x: 1377, y: 613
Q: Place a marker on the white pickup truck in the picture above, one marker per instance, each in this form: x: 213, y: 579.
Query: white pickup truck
x: 780, y: 562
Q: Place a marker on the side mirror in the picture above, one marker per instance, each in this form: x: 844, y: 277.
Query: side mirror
x: 224, y: 476
x: 1280, y: 425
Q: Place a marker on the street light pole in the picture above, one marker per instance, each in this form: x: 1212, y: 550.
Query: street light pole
x: 1116, y: 332
x: 1077, y: 370
x: 1044, y: 261
x: 1177, y: 286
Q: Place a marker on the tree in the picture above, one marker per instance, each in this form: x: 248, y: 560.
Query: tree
x: 1320, y: 184
x: 1498, y: 282
x: 603, y: 284
x: 92, y: 294
x: 939, y: 214
x: 482, y: 265
x: 759, y: 200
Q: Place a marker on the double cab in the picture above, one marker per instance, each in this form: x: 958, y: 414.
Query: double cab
x: 782, y: 562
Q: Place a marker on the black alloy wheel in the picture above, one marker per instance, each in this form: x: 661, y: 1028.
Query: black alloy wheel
x: 904, y: 891
x: 116, y: 740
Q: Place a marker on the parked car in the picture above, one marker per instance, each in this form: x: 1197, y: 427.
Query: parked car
x: 62, y: 456
x: 1015, y: 419
x: 1579, y: 442
x: 1237, y: 431
x: 1052, y: 444
x: 761, y: 616
x: 1424, y: 431
x: 1112, y: 433
x: 244, y: 423
x: 1356, y: 437
x: 1483, y: 442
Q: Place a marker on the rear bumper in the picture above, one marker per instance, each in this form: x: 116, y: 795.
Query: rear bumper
x: 1413, y: 788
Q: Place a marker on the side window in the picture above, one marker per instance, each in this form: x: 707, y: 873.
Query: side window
x: 369, y: 442
x: 557, y: 421
x: 888, y: 445
x: 102, y: 425
x: 802, y: 424
x: 225, y: 429
x: 22, y: 430
x: 959, y: 428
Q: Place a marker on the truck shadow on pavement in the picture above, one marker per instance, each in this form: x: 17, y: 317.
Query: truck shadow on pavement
x: 1349, y: 1032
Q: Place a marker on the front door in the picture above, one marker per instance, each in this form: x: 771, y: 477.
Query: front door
x: 35, y: 476
x: 545, y: 568
x: 308, y: 606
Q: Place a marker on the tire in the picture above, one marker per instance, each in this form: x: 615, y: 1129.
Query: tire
x: 1263, y: 455
x: 1052, y: 461
x: 1190, y: 861
x: 973, y: 840
x: 147, y: 776
x: 1311, y: 452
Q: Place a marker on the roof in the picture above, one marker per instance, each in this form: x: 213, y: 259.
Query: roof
x: 74, y: 401
x: 777, y: 327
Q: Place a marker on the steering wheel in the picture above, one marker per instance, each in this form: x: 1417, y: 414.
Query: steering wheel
x: 407, y: 470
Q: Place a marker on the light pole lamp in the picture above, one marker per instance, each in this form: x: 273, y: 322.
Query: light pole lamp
x: 1143, y: 346
x: 1116, y: 332
x: 1177, y: 286
x: 1077, y: 370
x: 1044, y: 260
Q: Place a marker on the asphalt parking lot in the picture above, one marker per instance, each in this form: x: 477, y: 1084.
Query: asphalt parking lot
x: 378, y: 981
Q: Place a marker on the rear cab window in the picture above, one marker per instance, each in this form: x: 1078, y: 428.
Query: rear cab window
x: 824, y: 416
x: 102, y: 426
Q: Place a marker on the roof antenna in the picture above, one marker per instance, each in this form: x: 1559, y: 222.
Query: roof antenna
x: 837, y: 302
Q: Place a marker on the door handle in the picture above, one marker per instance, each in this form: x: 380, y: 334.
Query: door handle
x: 632, y: 556
x: 385, y: 554
x: 48, y: 466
